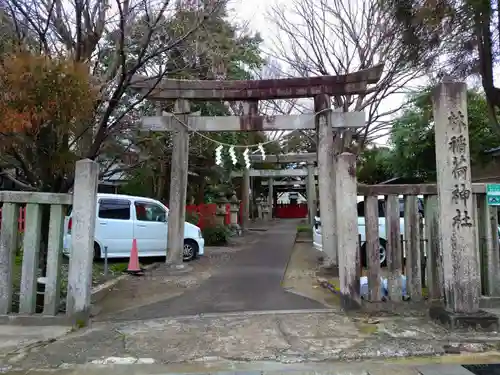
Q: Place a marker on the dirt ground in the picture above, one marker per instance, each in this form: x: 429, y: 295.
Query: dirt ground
x: 301, y: 275
x: 304, y: 275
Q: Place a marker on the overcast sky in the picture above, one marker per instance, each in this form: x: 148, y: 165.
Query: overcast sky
x: 254, y: 13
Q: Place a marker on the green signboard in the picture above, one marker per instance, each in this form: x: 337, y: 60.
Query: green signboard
x: 493, y: 194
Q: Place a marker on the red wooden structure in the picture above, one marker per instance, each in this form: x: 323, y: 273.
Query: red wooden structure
x: 291, y: 211
x: 206, y: 214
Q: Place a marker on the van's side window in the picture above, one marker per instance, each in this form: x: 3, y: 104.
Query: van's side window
x: 146, y: 211
x: 114, y: 209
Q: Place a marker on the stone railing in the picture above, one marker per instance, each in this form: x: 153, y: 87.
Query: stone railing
x: 416, y: 252
x: 83, y: 201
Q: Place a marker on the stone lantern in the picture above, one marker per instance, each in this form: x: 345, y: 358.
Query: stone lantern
x: 234, y: 209
x: 221, y: 210
x: 259, y: 200
x: 265, y: 209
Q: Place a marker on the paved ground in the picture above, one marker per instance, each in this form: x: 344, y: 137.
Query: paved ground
x: 246, y: 279
x: 249, y: 280
x: 198, y: 343
x: 363, y: 368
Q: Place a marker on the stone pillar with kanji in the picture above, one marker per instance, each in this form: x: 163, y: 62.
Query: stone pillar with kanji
x: 457, y: 214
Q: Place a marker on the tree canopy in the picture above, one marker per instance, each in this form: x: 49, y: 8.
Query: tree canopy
x: 43, y: 103
x: 460, y: 38
x: 411, y: 152
x: 105, y: 48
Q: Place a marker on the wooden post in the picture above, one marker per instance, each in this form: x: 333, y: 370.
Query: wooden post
x: 326, y: 179
x: 311, y: 192
x: 347, y: 237
x: 82, y: 238
x: 178, y: 186
x: 457, y: 218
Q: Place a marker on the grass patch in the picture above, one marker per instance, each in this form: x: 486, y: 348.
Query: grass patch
x: 304, y: 228
x: 115, y: 268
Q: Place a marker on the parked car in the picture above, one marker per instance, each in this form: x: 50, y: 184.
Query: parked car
x: 121, y: 218
x: 317, y: 240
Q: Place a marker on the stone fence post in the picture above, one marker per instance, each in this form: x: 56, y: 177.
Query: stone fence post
x: 347, y: 230
x: 82, y: 238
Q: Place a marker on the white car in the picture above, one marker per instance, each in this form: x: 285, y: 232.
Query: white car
x: 121, y: 218
x: 317, y: 239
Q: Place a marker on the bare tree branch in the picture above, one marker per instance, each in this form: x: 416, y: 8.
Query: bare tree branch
x: 333, y: 37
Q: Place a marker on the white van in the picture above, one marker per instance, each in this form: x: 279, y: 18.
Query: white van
x: 121, y: 218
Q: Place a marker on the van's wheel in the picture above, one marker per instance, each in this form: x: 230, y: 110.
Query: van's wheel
x: 190, y: 250
x: 383, y: 254
x: 97, y: 251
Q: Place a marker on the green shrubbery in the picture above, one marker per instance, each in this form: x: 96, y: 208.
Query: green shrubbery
x: 193, y: 217
x: 216, y: 236
x: 304, y: 228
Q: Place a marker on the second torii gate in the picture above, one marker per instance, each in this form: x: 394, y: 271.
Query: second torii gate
x: 309, y: 159
x: 250, y: 92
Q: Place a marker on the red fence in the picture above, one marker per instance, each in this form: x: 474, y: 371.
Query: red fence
x: 291, y: 211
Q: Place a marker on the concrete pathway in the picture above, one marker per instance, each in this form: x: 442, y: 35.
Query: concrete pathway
x: 253, y: 341
x: 249, y: 281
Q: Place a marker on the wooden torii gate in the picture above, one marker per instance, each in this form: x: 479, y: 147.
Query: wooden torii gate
x: 250, y: 92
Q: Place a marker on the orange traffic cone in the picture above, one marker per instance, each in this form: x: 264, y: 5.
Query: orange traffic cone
x: 133, y: 264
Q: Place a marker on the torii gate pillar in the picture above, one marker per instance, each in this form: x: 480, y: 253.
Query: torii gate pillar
x: 271, y: 196
x: 326, y: 179
x: 311, y: 193
x: 245, y: 199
